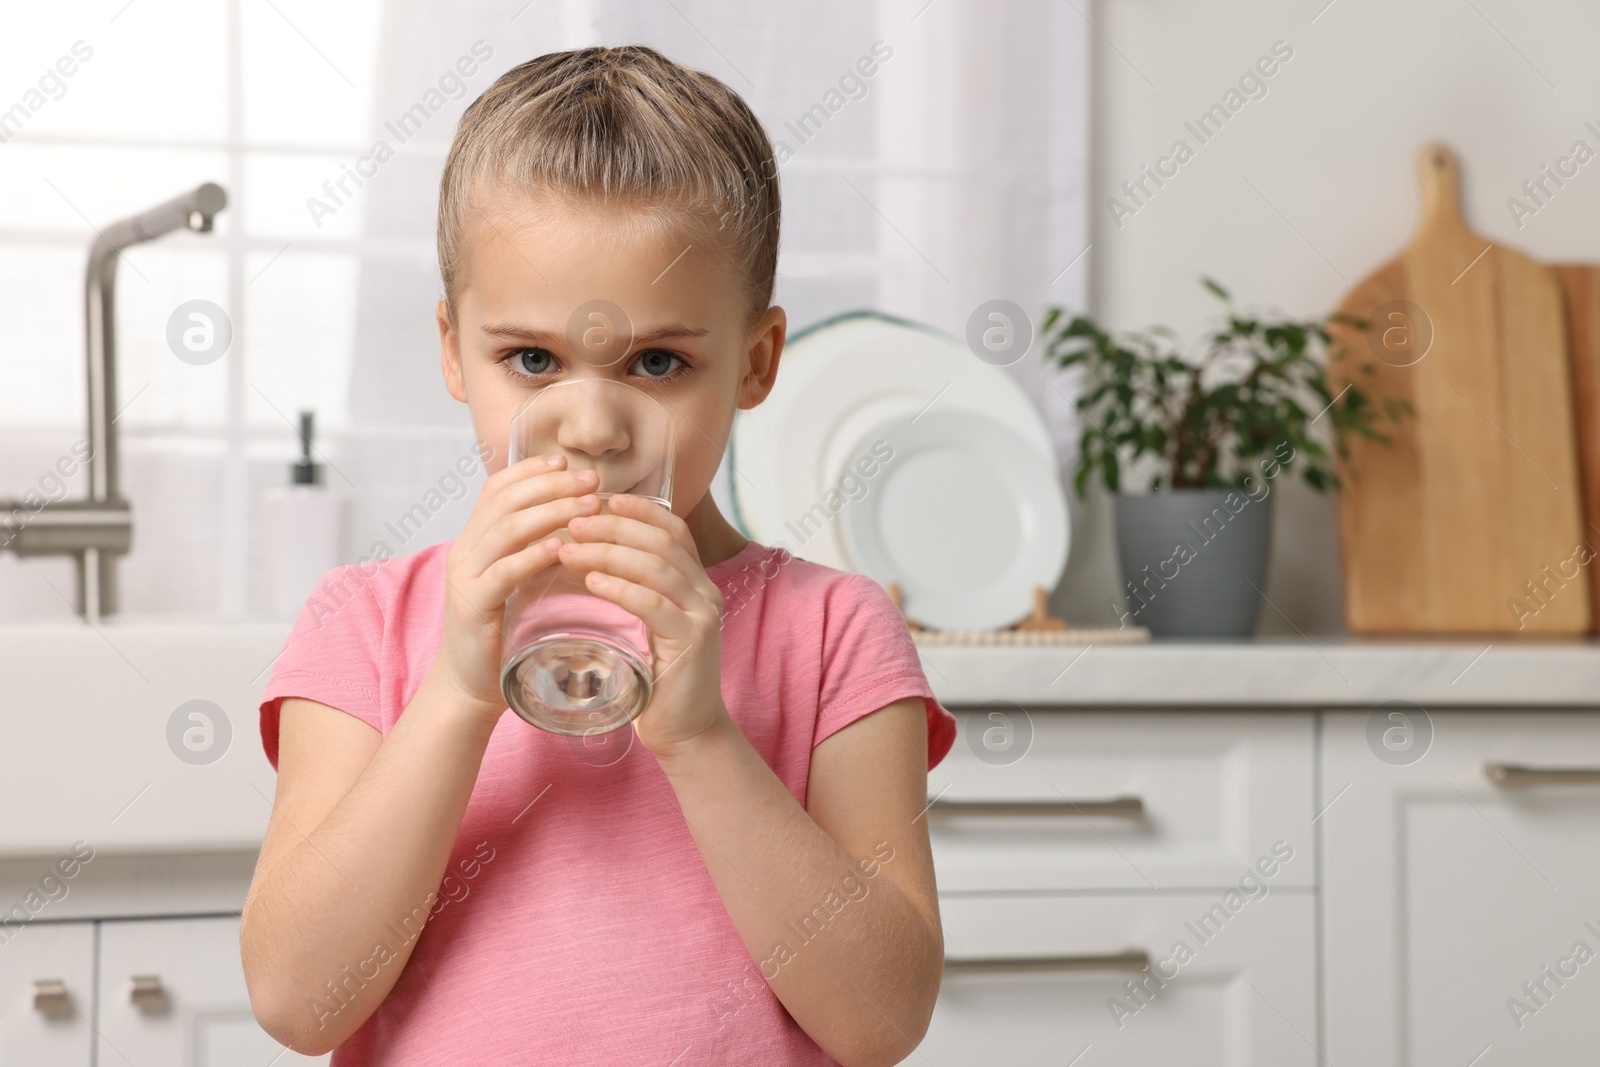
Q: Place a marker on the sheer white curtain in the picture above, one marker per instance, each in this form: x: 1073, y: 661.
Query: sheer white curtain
x: 952, y: 175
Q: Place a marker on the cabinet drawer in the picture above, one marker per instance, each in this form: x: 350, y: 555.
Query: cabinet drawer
x: 1129, y: 800
x: 1243, y: 995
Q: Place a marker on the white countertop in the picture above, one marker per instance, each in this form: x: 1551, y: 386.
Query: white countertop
x: 1322, y: 672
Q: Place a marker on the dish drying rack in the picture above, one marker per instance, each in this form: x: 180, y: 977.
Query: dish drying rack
x: 1039, y: 628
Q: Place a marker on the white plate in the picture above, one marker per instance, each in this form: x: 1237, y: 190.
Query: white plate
x: 837, y: 380
x: 965, y: 516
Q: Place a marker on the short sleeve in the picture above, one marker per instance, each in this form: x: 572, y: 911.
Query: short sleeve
x: 869, y: 661
x: 332, y: 655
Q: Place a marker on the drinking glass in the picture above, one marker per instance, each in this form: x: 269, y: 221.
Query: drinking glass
x: 572, y: 662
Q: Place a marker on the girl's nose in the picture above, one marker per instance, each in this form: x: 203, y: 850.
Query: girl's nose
x: 592, y: 417
x: 594, y: 431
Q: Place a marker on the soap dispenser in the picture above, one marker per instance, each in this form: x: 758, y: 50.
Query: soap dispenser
x: 305, y: 525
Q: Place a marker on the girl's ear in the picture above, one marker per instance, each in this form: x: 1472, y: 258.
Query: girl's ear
x: 762, y: 356
x: 450, y: 354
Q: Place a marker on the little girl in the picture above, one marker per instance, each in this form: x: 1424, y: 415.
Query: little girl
x: 742, y: 876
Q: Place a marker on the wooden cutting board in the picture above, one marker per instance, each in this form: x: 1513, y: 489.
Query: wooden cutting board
x: 1580, y: 284
x: 1452, y: 526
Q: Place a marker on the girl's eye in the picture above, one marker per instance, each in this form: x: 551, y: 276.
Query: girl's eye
x: 658, y: 364
x: 528, y: 361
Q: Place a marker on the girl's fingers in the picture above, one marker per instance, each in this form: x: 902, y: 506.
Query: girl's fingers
x: 515, y: 531
x: 641, y: 567
x: 521, y: 512
x: 655, y: 550
x: 664, y: 617
x: 654, y: 514
x: 650, y: 527
x: 489, y: 506
x: 495, y: 585
x: 525, y: 484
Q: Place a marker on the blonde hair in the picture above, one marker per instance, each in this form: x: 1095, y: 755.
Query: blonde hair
x: 621, y: 127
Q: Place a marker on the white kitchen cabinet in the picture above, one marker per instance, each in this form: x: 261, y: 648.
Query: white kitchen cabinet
x: 172, y: 992
x: 1244, y: 997
x: 46, y: 993
x: 1445, y: 890
x: 1139, y: 800
x: 1126, y: 887
x: 1414, y: 908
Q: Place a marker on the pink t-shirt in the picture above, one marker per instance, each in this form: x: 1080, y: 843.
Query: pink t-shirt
x: 576, y: 922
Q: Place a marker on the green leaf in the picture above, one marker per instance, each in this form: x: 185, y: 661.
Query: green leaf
x: 1108, y: 468
x: 1215, y: 288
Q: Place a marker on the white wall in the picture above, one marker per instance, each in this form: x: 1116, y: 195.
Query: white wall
x: 1329, y: 151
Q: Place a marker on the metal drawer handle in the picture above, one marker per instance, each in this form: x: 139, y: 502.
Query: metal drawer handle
x: 1115, y: 807
x: 148, y: 994
x: 50, y: 996
x: 1512, y: 775
x: 1133, y: 959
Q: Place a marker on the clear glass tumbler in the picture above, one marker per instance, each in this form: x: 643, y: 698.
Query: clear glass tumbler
x: 574, y: 663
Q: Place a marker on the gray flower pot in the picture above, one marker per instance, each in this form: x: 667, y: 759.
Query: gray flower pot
x: 1189, y: 558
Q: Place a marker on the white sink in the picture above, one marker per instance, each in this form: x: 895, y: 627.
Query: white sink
x: 86, y: 713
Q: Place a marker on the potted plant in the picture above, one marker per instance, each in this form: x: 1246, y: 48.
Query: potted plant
x: 1206, y: 436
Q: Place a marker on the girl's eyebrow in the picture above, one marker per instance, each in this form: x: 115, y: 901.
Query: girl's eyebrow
x: 548, y: 338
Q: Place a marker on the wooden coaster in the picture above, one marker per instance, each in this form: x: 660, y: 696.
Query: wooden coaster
x: 1040, y: 628
x: 1078, y: 635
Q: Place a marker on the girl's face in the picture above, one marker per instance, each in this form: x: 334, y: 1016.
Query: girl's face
x: 532, y: 271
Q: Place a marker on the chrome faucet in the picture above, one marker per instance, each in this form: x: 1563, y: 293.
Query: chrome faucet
x: 97, y: 529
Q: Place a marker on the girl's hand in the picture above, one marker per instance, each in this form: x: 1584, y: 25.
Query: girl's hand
x: 506, y: 540
x: 642, y: 558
